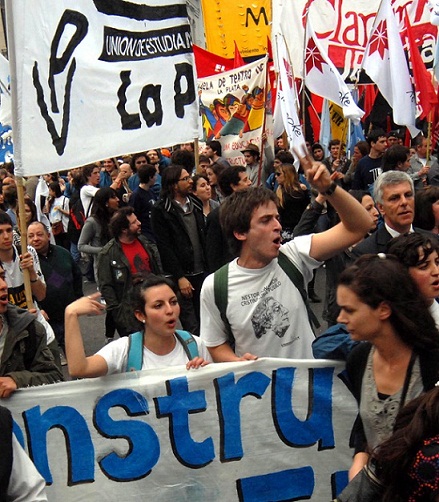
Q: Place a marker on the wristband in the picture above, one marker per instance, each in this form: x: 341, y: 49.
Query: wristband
x: 330, y: 190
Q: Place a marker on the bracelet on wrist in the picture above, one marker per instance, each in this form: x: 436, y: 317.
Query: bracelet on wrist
x: 330, y: 190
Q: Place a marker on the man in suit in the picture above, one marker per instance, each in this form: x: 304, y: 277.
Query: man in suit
x: 395, y: 199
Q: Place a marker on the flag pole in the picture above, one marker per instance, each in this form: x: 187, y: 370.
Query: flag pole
x: 303, y: 65
x: 23, y: 238
x: 263, y: 135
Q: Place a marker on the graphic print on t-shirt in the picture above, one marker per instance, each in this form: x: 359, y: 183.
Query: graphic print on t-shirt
x: 270, y: 317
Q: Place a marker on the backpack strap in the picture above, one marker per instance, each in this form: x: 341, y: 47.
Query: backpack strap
x: 89, y: 207
x: 135, y: 351
x: 221, y: 292
x: 296, y: 278
x: 189, y: 344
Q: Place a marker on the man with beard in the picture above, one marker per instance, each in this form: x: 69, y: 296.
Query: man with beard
x: 123, y: 264
x: 178, y: 224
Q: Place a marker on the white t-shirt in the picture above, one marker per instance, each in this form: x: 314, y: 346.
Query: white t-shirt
x: 116, y: 356
x: 16, y: 294
x: 56, y: 215
x: 87, y: 194
x: 434, y: 311
x: 265, y: 310
x: 25, y: 483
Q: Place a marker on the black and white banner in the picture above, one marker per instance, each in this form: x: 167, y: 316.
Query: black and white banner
x: 95, y: 78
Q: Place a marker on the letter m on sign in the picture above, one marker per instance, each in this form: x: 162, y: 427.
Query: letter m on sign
x: 249, y: 13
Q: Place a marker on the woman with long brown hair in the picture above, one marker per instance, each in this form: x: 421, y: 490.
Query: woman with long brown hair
x: 382, y: 306
x: 293, y: 198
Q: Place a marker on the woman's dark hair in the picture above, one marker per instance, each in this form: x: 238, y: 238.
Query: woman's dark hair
x: 216, y: 168
x: 424, y: 200
x: 54, y: 186
x: 363, y: 147
x: 417, y: 421
x: 151, y: 281
x: 359, y: 194
x: 101, y: 212
x: 382, y: 278
x: 196, y: 178
x: 33, y: 208
x: 406, y: 248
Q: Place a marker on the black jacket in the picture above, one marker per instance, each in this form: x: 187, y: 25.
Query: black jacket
x: 377, y: 242
x: 116, y: 282
x: 173, y: 240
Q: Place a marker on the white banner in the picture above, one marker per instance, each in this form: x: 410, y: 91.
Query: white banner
x: 92, y: 79
x: 232, y: 107
x: 268, y: 430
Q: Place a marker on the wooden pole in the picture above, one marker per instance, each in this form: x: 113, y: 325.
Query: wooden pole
x: 23, y: 233
x: 197, y: 155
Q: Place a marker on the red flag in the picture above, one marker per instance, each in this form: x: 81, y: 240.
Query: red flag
x: 238, y: 61
x: 369, y: 93
x: 208, y: 63
x: 271, y: 75
x: 269, y: 49
x: 425, y: 93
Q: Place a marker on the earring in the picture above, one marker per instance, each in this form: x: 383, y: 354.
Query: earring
x: 143, y: 321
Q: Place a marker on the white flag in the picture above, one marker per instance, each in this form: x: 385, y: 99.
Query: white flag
x: 5, y: 96
x: 322, y: 77
x: 287, y: 101
x: 386, y: 65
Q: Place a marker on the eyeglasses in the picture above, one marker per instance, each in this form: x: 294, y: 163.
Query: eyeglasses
x: 186, y: 178
x: 277, y: 173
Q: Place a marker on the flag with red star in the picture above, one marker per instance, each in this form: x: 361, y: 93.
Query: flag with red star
x: 321, y: 77
x: 313, y: 57
x: 379, y: 40
x: 385, y: 63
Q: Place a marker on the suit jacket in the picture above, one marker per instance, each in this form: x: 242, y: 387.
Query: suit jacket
x: 377, y: 242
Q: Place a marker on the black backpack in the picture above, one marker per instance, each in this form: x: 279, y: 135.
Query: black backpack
x: 77, y: 217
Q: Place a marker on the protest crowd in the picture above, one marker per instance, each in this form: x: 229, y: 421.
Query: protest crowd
x: 141, y: 227
x: 207, y: 252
